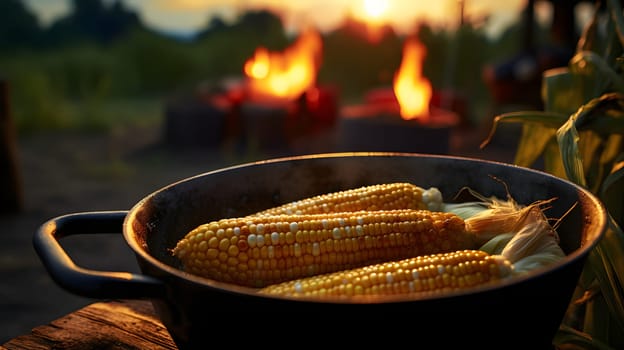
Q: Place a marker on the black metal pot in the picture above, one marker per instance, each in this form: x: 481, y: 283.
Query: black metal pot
x: 524, y: 312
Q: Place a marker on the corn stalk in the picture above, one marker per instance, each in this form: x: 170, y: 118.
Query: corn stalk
x: 579, y: 135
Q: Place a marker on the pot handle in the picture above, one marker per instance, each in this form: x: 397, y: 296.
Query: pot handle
x: 85, y: 282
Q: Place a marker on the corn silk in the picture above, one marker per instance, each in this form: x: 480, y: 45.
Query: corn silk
x: 524, y: 235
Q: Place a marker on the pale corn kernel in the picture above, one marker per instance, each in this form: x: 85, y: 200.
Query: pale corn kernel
x: 294, y: 227
x: 275, y: 237
x: 260, y: 229
x: 251, y: 240
x: 260, y: 240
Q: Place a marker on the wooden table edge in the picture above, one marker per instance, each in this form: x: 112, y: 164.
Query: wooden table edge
x: 121, y: 324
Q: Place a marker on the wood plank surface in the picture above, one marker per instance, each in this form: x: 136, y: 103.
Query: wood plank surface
x: 117, y: 324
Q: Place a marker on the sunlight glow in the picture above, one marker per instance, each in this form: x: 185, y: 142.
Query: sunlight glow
x: 325, y: 15
x: 375, y: 9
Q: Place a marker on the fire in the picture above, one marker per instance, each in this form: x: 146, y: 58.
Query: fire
x: 412, y: 90
x: 288, y: 74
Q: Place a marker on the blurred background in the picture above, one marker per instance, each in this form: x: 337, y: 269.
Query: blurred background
x: 96, y: 64
x: 105, y: 101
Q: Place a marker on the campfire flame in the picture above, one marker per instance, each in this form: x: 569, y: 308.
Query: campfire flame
x: 412, y: 90
x: 288, y: 74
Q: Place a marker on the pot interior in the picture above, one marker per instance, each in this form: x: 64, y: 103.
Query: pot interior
x: 165, y: 216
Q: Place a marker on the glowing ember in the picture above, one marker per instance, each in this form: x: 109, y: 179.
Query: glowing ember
x: 412, y: 90
x: 285, y: 75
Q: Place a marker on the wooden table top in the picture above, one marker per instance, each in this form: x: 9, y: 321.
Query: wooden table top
x: 116, y: 324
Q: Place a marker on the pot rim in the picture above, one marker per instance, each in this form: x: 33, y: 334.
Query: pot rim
x: 580, y: 253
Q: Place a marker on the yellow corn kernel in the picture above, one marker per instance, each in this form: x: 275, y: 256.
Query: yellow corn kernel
x: 347, y: 240
x: 400, y: 195
x: 429, y: 274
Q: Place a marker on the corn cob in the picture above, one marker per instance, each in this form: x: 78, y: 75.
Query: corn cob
x: 399, y: 195
x: 260, y: 250
x: 423, y: 274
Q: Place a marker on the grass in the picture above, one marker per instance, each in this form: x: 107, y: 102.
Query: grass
x: 101, y: 116
x: 122, y: 112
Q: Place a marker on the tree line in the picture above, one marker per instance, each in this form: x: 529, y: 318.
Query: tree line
x: 88, y: 20
x: 91, y: 21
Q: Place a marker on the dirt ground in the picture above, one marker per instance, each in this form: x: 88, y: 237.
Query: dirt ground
x: 68, y: 172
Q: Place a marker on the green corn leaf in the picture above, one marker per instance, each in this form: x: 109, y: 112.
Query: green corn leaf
x: 606, y: 259
x: 612, y: 48
x: 575, y: 313
x: 596, y: 72
x: 545, y: 119
x: 534, y: 139
x: 615, y: 10
x: 598, y: 322
x: 613, y: 247
x: 612, y: 149
x: 619, y: 63
x: 588, y: 277
x: 588, y: 41
x: 552, y: 159
x: 600, y: 115
x: 587, y: 148
x: 611, y: 192
x: 601, y: 141
x: 606, y: 123
x: 604, y: 115
x: 603, y: 162
x: 568, y: 139
x: 569, y: 338
x: 560, y: 92
x: 592, y: 148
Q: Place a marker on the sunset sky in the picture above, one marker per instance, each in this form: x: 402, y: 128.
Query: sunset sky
x: 188, y: 15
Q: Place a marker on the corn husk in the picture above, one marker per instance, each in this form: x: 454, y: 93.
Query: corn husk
x: 522, y: 234
x: 534, y: 245
x: 496, y: 245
